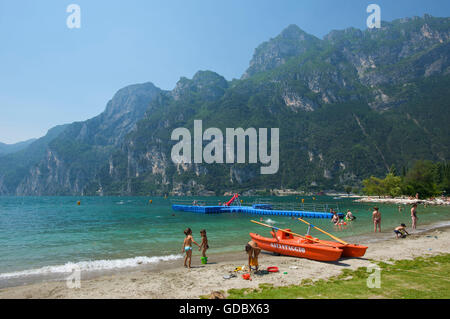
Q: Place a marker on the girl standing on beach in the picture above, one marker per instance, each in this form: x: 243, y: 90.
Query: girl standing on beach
x: 187, y: 247
x: 376, y: 217
x: 204, y: 245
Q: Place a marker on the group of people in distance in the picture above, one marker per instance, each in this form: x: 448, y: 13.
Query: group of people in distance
x: 253, y: 250
x: 400, y: 231
x: 336, y: 220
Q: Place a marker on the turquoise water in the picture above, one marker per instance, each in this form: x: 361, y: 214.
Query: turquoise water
x: 44, y: 233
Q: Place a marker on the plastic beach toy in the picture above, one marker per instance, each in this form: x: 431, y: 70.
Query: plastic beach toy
x: 246, y: 276
x: 272, y: 269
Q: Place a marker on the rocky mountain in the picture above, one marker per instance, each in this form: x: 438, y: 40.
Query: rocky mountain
x: 348, y: 106
x: 68, y: 157
x: 290, y: 43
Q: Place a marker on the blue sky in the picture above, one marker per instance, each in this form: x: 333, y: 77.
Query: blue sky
x: 50, y: 74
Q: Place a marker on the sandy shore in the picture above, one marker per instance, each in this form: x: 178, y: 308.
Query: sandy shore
x: 203, y: 279
x: 402, y: 201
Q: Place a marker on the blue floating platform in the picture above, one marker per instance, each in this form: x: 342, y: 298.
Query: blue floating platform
x: 202, y: 209
x: 251, y: 210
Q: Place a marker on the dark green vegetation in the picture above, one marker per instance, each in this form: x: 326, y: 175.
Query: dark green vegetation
x: 421, y: 278
x: 348, y: 106
x: 424, y: 178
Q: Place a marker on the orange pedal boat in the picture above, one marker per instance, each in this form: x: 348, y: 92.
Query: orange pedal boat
x: 349, y: 250
x: 286, y: 244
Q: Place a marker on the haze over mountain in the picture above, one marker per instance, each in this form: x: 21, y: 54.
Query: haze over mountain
x: 348, y: 106
x: 12, y: 148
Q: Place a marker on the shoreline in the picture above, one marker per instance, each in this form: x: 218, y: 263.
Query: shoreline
x: 59, y: 272
x: 172, y: 280
x: 401, y: 201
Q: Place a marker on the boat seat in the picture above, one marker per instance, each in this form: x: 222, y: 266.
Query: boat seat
x: 282, y: 235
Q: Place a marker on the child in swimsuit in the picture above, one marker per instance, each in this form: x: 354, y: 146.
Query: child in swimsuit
x: 400, y: 231
x: 187, y: 247
x: 335, y: 219
x: 253, y: 251
x: 349, y: 216
x: 204, y: 245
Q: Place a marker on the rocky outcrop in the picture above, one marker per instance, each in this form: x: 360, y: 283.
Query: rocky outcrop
x: 290, y: 43
x: 206, y: 84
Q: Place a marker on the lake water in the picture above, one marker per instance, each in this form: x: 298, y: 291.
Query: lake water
x: 49, y: 235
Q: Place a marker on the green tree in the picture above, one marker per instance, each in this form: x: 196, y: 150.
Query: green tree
x: 348, y: 190
x: 422, y: 179
x: 392, y: 185
x: 393, y: 170
x: 443, y: 171
x: 373, y: 186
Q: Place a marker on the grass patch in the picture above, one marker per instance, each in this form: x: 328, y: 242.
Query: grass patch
x: 424, y: 278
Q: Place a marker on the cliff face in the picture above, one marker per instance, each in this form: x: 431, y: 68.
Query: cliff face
x: 71, y: 158
x: 352, y: 64
x: 348, y: 106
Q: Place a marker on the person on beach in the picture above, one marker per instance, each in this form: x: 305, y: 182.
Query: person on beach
x: 349, y: 216
x: 400, y: 231
x: 253, y: 251
x: 414, y: 216
x: 204, y: 245
x: 376, y: 218
x: 187, y: 247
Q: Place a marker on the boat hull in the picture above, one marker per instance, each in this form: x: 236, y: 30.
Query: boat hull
x: 297, y: 247
x: 352, y: 250
x: 348, y: 250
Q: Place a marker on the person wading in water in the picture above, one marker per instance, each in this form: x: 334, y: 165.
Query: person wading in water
x: 414, y: 216
x: 376, y: 217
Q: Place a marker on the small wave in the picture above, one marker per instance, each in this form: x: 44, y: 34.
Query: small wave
x: 442, y: 224
x: 270, y: 221
x: 90, y: 266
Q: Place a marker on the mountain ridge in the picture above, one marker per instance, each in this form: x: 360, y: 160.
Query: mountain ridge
x: 15, y: 147
x: 349, y: 105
